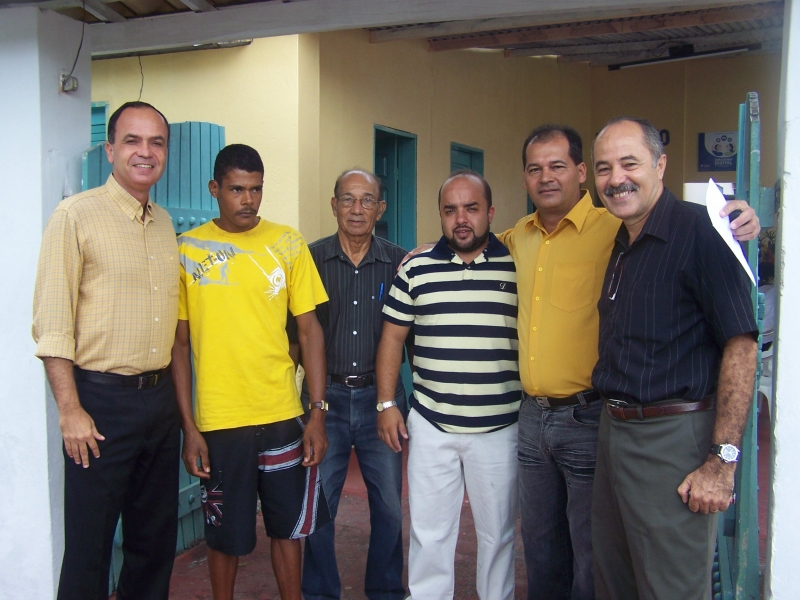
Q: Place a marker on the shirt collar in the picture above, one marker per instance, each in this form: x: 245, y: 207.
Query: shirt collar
x: 333, y: 249
x: 658, y: 221
x: 127, y: 203
x: 577, y: 214
x: 494, y: 249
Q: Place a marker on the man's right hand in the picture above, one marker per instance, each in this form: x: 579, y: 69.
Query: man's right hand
x: 391, y: 428
x: 414, y: 252
x: 79, y: 433
x: 194, y: 447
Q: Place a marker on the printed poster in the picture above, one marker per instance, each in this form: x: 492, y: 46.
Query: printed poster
x: 716, y: 151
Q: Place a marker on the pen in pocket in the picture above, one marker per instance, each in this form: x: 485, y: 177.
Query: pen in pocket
x: 380, y: 293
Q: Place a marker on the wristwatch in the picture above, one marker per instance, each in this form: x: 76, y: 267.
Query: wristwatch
x: 728, y: 453
x: 382, y: 406
x: 322, y: 404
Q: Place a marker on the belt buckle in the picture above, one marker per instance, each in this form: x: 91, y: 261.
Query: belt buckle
x: 145, y: 379
x: 542, y: 401
x: 354, y: 378
x: 615, y: 403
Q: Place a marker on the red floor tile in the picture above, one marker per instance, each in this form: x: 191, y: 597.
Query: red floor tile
x: 256, y: 582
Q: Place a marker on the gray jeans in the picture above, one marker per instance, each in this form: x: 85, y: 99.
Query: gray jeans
x: 647, y: 543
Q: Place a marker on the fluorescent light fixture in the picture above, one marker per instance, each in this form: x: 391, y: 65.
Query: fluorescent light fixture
x: 174, y: 49
x: 685, y: 53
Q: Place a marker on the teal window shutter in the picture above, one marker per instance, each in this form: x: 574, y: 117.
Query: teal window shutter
x: 99, y: 119
x: 183, y: 188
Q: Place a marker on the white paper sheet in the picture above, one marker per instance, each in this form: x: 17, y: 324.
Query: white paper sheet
x: 715, y: 201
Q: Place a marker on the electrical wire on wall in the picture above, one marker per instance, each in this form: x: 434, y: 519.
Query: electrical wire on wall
x: 68, y: 82
x: 141, y: 72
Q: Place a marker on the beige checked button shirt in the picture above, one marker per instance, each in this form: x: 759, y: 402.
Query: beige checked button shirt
x: 106, y: 293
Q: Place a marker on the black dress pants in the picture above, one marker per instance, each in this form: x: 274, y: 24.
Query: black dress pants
x: 136, y: 476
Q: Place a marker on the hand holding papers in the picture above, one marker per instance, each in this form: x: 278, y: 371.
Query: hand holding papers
x: 714, y: 203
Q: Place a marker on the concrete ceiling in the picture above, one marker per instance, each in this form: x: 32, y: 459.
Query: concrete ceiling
x: 594, y: 31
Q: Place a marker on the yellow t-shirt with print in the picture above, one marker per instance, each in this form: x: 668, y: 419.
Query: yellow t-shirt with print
x: 235, y: 291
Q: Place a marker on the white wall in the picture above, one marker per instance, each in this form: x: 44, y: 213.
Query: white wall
x: 782, y: 579
x: 44, y: 132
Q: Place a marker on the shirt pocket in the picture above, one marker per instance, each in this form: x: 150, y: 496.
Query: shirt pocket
x: 573, y: 285
x: 652, y: 315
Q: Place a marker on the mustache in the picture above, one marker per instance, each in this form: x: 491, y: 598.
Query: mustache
x: 621, y: 189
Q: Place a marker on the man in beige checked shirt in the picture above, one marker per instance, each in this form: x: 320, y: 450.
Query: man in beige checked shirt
x: 104, y: 319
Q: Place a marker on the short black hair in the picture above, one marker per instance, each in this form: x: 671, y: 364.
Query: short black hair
x: 358, y: 171
x: 237, y: 156
x: 548, y: 131
x: 112, y: 122
x: 487, y: 190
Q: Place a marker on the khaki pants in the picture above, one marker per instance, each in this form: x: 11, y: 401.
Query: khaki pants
x: 646, y: 542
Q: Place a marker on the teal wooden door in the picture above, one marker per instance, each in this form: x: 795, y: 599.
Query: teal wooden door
x: 183, y: 191
x: 396, y: 166
x: 465, y: 157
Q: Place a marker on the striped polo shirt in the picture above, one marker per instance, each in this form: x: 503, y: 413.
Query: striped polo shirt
x: 466, y: 378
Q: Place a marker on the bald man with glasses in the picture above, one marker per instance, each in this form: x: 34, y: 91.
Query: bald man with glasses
x: 357, y: 269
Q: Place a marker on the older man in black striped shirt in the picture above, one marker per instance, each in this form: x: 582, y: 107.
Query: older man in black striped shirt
x: 461, y: 297
x: 677, y: 359
x: 357, y: 269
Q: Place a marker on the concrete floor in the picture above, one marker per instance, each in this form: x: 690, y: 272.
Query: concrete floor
x: 256, y: 582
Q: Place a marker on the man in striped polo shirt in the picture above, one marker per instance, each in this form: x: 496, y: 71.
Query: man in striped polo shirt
x: 461, y: 298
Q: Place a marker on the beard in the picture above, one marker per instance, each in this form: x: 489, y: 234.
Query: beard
x: 467, y: 245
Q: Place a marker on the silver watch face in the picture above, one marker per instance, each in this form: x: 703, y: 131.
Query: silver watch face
x: 728, y: 453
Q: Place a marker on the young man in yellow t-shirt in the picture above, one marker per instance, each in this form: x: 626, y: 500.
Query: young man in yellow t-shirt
x: 239, y: 276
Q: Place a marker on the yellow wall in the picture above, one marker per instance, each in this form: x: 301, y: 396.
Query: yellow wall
x: 475, y: 98
x: 252, y: 91
x: 689, y: 98
x: 309, y: 104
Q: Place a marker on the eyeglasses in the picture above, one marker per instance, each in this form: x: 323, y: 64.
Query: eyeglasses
x: 616, y: 275
x: 367, y: 202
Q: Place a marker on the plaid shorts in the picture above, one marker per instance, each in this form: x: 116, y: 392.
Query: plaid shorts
x: 263, y: 461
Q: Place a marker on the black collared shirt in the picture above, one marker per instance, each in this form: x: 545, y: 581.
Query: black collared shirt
x: 352, y: 319
x: 670, y: 302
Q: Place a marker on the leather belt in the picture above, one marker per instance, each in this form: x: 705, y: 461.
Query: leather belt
x: 584, y: 397
x: 623, y: 411
x: 354, y: 381
x: 143, y: 381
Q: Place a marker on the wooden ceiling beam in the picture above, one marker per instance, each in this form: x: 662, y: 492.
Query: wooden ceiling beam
x: 634, y: 25
x: 103, y: 12
x: 706, y: 41
x: 199, y: 5
x: 471, y: 26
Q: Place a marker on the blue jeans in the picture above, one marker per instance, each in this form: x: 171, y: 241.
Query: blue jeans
x: 352, y: 422
x: 557, y: 455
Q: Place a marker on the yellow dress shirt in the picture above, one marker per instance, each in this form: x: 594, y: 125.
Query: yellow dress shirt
x: 106, y: 294
x: 559, y: 281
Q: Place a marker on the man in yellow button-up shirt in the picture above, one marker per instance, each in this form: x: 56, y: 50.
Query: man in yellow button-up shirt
x: 104, y: 317
x: 561, y: 253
